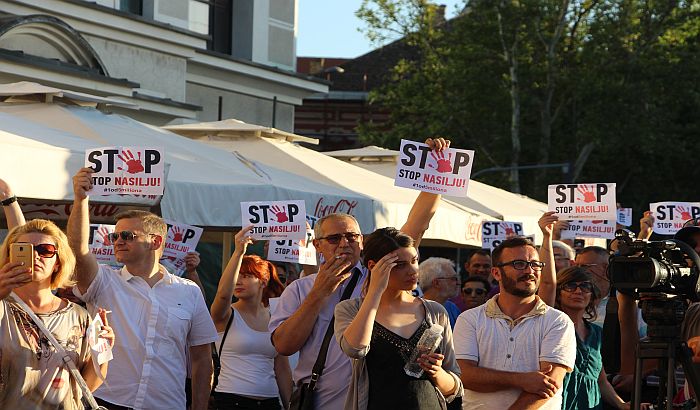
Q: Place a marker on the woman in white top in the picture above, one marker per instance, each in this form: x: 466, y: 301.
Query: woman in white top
x: 253, y: 375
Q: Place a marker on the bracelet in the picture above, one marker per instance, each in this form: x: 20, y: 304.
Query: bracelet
x: 9, y: 201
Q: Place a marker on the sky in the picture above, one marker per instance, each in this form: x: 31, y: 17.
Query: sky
x: 328, y: 28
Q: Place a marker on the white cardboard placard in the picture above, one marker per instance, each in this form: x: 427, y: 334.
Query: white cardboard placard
x: 181, y: 239
x: 275, y: 220
x: 495, y: 232
x: 669, y: 216
x: 583, y: 201
x: 126, y: 170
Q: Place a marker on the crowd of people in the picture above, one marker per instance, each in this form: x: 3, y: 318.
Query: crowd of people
x: 522, y: 327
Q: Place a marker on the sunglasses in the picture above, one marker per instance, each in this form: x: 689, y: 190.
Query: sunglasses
x: 351, y: 237
x: 127, y: 236
x: 46, y: 250
x: 586, y: 287
x: 475, y: 291
x: 520, y: 264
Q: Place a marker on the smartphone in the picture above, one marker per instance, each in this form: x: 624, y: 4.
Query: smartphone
x: 23, y: 252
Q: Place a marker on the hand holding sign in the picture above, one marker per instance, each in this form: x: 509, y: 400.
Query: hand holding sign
x: 242, y: 240
x: 82, y: 183
x: 546, y: 223
x: 434, y: 167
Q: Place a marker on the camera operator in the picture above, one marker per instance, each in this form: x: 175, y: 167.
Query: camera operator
x: 690, y: 330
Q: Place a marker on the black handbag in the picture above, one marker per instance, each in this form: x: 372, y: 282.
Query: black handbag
x: 303, y: 396
x: 216, y: 356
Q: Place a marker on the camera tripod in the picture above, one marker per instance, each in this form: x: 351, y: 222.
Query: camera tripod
x: 664, y: 318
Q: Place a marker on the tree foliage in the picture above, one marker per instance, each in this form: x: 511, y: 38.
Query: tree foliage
x: 607, y: 86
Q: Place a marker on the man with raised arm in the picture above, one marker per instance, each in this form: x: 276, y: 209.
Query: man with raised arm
x: 514, y: 350
x: 157, y: 315
x: 306, y: 307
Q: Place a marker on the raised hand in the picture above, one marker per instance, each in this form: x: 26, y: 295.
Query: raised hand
x: 280, y: 214
x: 134, y: 165
x: 82, y: 182
x: 587, y: 192
x: 547, y: 222
x: 191, y: 261
x: 437, y: 144
x: 242, y: 240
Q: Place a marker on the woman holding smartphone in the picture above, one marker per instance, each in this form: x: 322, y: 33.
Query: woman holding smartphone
x: 253, y: 375
x: 32, y: 375
x: 381, y: 331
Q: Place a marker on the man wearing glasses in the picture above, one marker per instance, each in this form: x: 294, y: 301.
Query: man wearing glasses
x: 514, y: 350
x: 439, y: 281
x: 475, y: 291
x: 157, y: 315
x: 306, y: 307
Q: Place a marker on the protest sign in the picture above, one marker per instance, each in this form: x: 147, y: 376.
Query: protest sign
x: 669, y: 216
x: 126, y: 170
x: 275, y: 220
x: 583, y: 201
x: 589, y: 229
x: 624, y: 216
x: 495, y: 232
x: 99, y: 243
x: 446, y: 172
x: 181, y: 239
x: 295, y: 251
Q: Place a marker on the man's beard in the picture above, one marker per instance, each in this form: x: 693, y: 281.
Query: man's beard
x: 510, y: 285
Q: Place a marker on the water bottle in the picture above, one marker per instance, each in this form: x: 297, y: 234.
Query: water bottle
x: 427, y: 344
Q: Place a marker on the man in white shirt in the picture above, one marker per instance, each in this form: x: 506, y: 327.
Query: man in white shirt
x: 514, y: 350
x: 155, y: 314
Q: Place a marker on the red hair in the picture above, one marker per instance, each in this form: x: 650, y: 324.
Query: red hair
x: 265, y: 271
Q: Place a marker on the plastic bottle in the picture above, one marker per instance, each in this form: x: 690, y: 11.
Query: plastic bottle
x: 427, y: 344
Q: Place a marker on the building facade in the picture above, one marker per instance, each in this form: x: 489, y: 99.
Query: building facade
x: 177, y: 60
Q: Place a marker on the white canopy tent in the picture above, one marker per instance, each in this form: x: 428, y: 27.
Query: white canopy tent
x: 457, y: 224
x: 44, y: 145
x: 495, y: 202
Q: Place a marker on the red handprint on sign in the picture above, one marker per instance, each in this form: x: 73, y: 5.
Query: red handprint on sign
x: 508, y: 229
x: 685, y: 213
x: 103, y: 235
x: 279, y: 214
x: 134, y: 165
x: 587, y: 192
x: 598, y: 221
x: 443, y: 164
x: 177, y: 234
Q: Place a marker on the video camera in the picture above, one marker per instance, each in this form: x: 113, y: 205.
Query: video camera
x: 669, y: 267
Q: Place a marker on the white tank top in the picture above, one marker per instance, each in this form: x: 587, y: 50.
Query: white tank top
x: 247, y: 361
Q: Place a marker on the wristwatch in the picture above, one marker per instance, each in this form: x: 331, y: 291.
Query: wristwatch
x: 9, y: 201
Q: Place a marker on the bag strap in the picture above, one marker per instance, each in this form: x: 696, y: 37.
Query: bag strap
x: 317, y: 370
x: 60, y: 350
x: 228, y: 326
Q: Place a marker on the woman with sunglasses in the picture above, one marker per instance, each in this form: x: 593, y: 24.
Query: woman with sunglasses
x: 381, y: 330
x: 32, y: 375
x: 253, y: 375
x: 587, y: 384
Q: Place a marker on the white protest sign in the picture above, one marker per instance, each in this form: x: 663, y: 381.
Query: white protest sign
x: 99, y: 243
x: 126, y: 170
x: 181, y: 239
x: 589, y: 229
x: 100, y: 350
x: 295, y: 251
x: 275, y: 220
x: 624, y: 216
x: 446, y: 172
x: 495, y: 232
x: 583, y: 201
x: 669, y: 216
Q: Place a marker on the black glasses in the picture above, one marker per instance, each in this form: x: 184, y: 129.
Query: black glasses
x: 586, y: 287
x: 520, y: 264
x: 475, y: 291
x: 351, y: 237
x: 46, y: 250
x: 127, y: 236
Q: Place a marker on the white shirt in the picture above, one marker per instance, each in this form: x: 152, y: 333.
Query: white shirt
x: 247, y: 361
x: 154, y: 326
x: 484, y: 334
